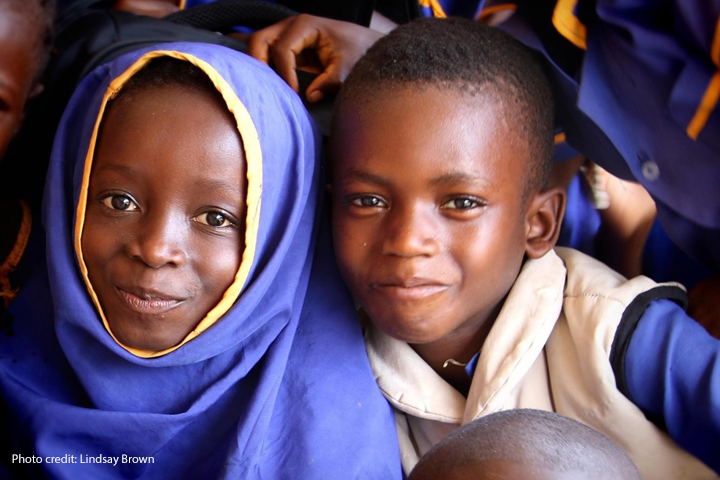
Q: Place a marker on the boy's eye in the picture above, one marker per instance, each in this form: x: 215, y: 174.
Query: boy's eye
x: 120, y: 202
x: 214, y: 219
x: 462, y: 203
x: 368, y: 201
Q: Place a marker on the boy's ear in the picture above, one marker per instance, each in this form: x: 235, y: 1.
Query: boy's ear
x: 545, y: 214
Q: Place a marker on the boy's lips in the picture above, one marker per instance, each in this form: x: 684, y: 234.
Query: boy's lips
x: 148, y: 301
x: 410, y: 289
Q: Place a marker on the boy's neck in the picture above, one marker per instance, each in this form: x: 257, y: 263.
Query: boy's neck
x: 459, y: 347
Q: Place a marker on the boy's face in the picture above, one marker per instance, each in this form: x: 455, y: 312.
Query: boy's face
x: 165, y: 223
x: 18, y: 65
x: 428, y: 214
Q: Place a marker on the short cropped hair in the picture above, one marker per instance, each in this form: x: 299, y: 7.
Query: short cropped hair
x: 531, y: 437
x: 468, y: 57
x: 41, y: 16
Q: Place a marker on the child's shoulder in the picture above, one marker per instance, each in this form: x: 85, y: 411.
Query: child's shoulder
x: 589, y: 280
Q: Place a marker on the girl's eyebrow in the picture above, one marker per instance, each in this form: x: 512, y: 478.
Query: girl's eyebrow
x: 359, y: 175
x: 124, y: 170
x: 217, y: 184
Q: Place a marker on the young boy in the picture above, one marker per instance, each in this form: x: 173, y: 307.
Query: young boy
x: 525, y: 444
x: 444, y: 231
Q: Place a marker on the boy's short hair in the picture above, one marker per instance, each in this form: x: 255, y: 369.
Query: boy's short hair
x: 471, y: 58
x: 534, y: 437
x: 40, y: 13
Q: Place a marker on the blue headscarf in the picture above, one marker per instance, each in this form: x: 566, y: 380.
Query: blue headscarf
x: 274, y: 382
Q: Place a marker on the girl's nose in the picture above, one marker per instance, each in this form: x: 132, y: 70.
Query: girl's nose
x: 159, y: 241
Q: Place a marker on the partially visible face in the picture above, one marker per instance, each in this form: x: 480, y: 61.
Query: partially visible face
x: 165, y: 223
x: 428, y: 213
x: 18, y: 67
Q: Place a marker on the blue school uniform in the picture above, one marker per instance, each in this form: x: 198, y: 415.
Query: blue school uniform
x: 662, y: 260
x: 636, y: 86
x: 273, y: 383
x: 672, y: 372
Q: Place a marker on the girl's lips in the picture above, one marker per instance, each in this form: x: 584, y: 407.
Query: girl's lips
x: 148, y: 304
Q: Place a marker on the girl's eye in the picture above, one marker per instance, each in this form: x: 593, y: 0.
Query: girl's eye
x: 462, y: 203
x: 214, y: 219
x: 120, y: 202
x: 368, y: 201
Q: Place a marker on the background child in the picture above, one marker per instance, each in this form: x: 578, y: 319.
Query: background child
x: 444, y: 229
x: 189, y: 317
x: 26, y: 28
x: 525, y: 444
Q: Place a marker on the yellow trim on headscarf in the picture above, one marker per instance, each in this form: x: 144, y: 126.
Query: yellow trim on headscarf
x: 707, y: 105
x: 253, y: 156
x: 7, y: 293
x: 435, y: 6
x: 568, y: 25
x: 559, y: 138
x: 182, y: 4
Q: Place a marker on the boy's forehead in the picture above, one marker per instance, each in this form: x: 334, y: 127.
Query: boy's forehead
x: 463, y: 131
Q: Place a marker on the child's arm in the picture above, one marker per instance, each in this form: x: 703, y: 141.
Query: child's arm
x: 671, y: 371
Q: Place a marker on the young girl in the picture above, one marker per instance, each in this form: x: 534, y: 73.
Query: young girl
x: 190, y: 322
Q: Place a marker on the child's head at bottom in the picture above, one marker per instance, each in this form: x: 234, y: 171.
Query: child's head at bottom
x: 525, y: 444
x: 441, y: 143
x: 163, y: 231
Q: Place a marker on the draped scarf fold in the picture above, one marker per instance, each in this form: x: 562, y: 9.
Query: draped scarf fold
x: 277, y: 386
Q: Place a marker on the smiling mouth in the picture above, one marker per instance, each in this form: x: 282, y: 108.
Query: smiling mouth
x: 410, y: 292
x: 146, y: 303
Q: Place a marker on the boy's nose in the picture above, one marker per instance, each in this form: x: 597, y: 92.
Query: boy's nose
x: 159, y: 241
x: 410, y: 231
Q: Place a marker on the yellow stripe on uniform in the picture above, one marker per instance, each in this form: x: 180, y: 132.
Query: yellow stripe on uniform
x: 715, y: 49
x: 486, y: 12
x: 712, y: 92
x: 435, y: 6
x: 7, y: 293
x: 707, y: 105
x: 568, y: 25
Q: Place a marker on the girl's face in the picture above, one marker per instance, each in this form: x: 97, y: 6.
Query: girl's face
x: 18, y: 67
x: 165, y: 223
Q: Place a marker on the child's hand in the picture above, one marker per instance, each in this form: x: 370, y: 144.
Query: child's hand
x: 337, y: 46
x: 705, y: 304
x: 151, y: 8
